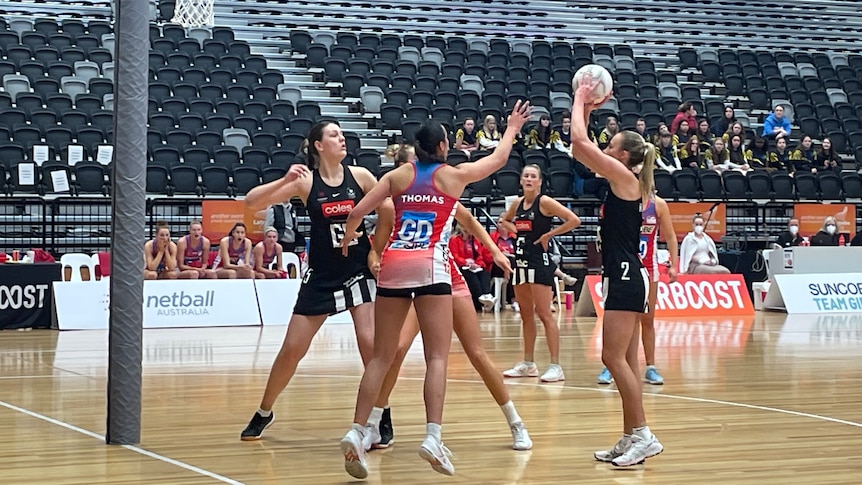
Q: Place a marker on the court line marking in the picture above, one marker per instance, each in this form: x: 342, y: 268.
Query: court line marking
x: 141, y: 451
x: 574, y: 388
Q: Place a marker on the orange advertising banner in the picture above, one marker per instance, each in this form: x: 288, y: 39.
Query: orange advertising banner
x: 811, y: 218
x: 219, y: 216
x: 682, y: 213
x: 690, y: 295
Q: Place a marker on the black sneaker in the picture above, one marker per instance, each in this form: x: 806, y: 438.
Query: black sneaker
x: 255, y: 427
x: 386, y: 435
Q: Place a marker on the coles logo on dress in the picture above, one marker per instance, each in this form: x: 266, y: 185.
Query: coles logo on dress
x: 524, y: 225
x: 717, y: 295
x: 340, y: 208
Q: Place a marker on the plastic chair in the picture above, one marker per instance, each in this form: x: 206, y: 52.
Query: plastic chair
x: 289, y: 259
x: 76, y: 261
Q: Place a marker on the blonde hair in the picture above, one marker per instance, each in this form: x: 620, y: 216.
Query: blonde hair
x: 270, y: 229
x: 640, y: 152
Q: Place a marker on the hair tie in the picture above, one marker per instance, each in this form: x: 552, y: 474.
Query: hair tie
x: 646, y: 151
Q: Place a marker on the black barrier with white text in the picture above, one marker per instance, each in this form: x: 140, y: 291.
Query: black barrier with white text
x: 25, y: 294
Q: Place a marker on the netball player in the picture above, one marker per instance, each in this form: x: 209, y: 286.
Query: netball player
x: 655, y: 220
x: 160, y: 257
x: 415, y: 269
x: 466, y: 325
x: 334, y: 282
x: 234, y: 255
x: 626, y: 284
x: 265, y: 252
x: 531, y: 218
x: 195, y: 250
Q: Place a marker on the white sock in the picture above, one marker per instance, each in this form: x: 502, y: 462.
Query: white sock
x: 263, y: 413
x: 511, y: 413
x: 643, y: 432
x: 435, y: 430
x: 374, y: 419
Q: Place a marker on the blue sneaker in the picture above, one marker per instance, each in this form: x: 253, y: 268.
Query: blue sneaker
x: 652, y: 376
x: 605, y: 376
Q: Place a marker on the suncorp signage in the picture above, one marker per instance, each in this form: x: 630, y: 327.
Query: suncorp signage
x: 821, y: 293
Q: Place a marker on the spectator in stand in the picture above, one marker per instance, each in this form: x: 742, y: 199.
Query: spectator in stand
x: 857, y: 239
x: 737, y: 151
x: 542, y: 137
x: 776, y: 124
x: 828, y: 233
x: 667, y: 157
x: 718, y: 158
x: 704, y: 135
x: 790, y: 237
x: 267, y: 252
x: 686, y: 112
x: 234, y: 256
x: 193, y: 252
x: 779, y: 159
x: 564, y: 144
x: 804, y: 158
x: 640, y: 129
x: 465, y: 137
x: 690, y: 155
x: 683, y: 134
x: 282, y: 217
x: 757, y: 154
x: 612, y: 127
x: 488, y: 137
x: 721, y: 126
x: 735, y: 128
x: 659, y: 129
x: 475, y: 262
x: 828, y: 158
x: 698, y: 254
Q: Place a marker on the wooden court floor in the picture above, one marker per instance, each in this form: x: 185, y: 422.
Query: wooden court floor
x: 767, y: 399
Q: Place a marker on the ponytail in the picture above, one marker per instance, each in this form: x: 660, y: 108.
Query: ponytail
x: 640, y: 153
x: 647, y: 183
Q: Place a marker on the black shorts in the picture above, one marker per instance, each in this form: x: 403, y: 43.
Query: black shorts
x: 435, y: 289
x: 627, y: 295
x: 538, y: 274
x: 322, y: 294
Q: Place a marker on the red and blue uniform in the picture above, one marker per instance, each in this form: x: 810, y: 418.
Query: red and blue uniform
x: 648, y: 239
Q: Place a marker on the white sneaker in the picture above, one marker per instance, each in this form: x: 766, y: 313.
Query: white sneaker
x: 487, y: 300
x: 522, y: 369
x: 354, y: 454
x: 569, y: 280
x: 608, y: 456
x: 437, y: 455
x: 553, y: 374
x: 639, y: 450
x: 521, y: 439
x: 371, y: 437
x: 515, y: 307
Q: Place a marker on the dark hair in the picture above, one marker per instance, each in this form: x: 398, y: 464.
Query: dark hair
x: 315, y: 134
x: 238, y: 224
x: 685, y: 106
x: 162, y: 225
x: 544, y: 132
x: 428, y: 138
x: 566, y: 114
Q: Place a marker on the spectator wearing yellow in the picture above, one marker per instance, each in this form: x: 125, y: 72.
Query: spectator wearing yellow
x: 757, y: 154
x: 718, y: 158
x: 735, y: 128
x: 691, y: 156
x: 488, y: 137
x: 465, y: 137
x: 667, y: 155
x: 542, y: 137
x: 737, y: 151
x: 828, y: 157
x: 683, y: 134
x: 779, y: 158
x: 612, y: 127
x: 804, y: 157
x: 564, y: 143
x: 704, y: 136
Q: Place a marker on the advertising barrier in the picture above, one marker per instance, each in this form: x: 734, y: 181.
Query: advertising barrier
x: 219, y: 216
x: 815, y: 293
x: 811, y: 217
x: 699, y: 295
x: 83, y: 305
x: 25, y: 294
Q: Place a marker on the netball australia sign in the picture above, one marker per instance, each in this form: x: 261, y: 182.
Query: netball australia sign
x: 700, y: 295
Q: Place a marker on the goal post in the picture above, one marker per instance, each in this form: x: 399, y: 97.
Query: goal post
x: 194, y: 13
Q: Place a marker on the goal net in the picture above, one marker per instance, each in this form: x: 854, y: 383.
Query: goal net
x: 193, y: 13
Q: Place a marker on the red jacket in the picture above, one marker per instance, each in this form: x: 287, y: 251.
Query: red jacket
x: 681, y: 115
x: 461, y: 251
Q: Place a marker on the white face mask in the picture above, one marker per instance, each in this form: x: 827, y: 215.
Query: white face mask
x: 830, y: 228
x: 698, y: 230
x: 794, y: 230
